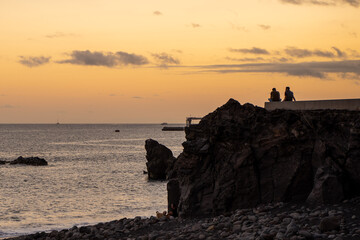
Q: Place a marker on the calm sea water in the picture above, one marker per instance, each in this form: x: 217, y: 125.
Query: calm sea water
x: 94, y: 175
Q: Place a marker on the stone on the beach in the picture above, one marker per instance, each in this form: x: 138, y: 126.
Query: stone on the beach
x: 330, y: 223
x: 33, y: 161
x: 160, y: 160
x: 235, y: 225
x: 240, y: 156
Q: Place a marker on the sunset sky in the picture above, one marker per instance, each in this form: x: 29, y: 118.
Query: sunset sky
x: 141, y: 61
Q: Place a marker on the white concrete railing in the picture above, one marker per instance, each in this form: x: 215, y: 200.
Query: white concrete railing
x: 340, y: 104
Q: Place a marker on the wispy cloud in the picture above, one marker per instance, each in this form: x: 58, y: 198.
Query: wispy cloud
x: 339, y: 52
x: 302, y: 53
x: 165, y: 59
x: 264, y: 27
x: 157, y: 13
x: 177, y: 50
x: 258, y: 59
x: 137, y: 97
x: 294, y: 52
x: 108, y: 59
x: 303, y: 69
x: 195, y: 25
x: 253, y: 50
x: 60, y: 35
x: 8, y: 106
x: 34, y: 61
x: 354, y: 3
x: 114, y: 95
x: 238, y: 27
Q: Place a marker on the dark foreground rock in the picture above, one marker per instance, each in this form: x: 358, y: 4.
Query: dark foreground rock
x: 271, y: 221
x: 241, y: 156
x: 33, y: 161
x: 160, y: 160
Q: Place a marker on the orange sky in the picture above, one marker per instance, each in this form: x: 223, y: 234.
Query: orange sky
x: 112, y: 61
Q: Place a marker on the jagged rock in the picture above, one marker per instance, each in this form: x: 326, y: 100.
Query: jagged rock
x: 160, y: 160
x: 34, y: 161
x: 240, y: 156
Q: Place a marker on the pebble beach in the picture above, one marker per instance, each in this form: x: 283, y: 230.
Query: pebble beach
x: 272, y: 221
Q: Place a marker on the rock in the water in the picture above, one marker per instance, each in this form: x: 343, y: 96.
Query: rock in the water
x: 160, y: 160
x: 34, y: 161
x: 240, y: 156
x: 2, y: 162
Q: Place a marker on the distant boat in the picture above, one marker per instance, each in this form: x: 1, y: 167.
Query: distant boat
x: 173, y: 129
x: 164, y: 123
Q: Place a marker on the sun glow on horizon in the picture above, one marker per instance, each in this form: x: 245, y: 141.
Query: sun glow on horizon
x: 150, y: 62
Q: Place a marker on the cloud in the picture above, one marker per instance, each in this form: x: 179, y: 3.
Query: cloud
x: 264, y: 27
x: 137, y: 97
x: 157, y: 13
x: 354, y: 3
x: 339, y: 52
x: 253, y: 50
x: 177, y: 50
x: 8, y: 106
x: 258, y: 59
x: 165, y: 59
x: 34, y: 61
x: 303, y: 69
x: 60, y: 35
x: 105, y: 59
x: 195, y: 25
x: 351, y: 76
x: 302, y: 53
x: 238, y: 27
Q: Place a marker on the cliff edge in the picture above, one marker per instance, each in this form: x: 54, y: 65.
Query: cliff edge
x: 240, y: 156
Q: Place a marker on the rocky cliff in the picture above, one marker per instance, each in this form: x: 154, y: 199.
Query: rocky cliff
x: 241, y: 156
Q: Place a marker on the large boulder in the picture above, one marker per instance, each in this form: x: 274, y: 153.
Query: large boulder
x: 240, y: 156
x: 160, y: 160
x: 33, y: 161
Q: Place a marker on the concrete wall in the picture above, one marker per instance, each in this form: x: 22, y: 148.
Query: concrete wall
x: 347, y: 104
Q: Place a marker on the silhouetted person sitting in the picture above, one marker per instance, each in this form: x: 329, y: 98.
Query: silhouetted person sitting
x: 289, y: 95
x: 274, y: 96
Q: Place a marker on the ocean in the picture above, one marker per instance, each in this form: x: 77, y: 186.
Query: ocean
x: 94, y: 175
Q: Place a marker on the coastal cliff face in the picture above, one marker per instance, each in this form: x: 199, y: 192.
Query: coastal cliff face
x: 240, y: 156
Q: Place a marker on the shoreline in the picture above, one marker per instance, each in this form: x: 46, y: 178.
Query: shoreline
x: 272, y: 221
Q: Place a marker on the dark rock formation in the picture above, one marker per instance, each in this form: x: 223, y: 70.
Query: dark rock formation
x: 160, y: 160
x: 33, y: 161
x: 2, y: 162
x: 240, y: 156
